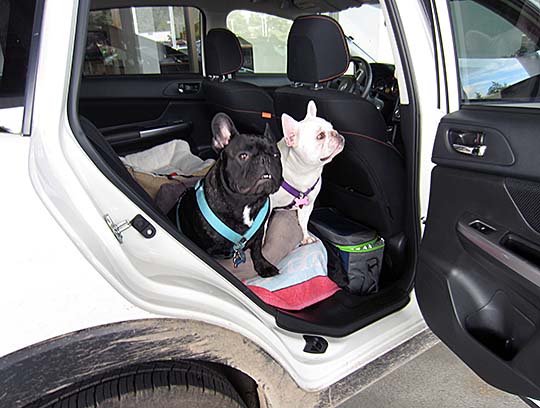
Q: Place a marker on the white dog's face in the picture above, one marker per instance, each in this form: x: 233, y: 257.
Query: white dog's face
x: 313, y: 140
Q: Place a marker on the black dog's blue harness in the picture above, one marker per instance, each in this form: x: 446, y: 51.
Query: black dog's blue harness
x: 238, y: 240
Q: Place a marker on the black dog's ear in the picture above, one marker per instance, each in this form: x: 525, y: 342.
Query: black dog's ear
x: 223, y: 130
x: 268, y: 133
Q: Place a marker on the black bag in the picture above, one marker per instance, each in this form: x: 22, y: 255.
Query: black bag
x: 355, y: 252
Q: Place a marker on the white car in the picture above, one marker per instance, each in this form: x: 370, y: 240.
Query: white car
x: 105, y: 303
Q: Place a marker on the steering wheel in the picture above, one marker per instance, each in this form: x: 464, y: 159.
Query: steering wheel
x: 362, y: 78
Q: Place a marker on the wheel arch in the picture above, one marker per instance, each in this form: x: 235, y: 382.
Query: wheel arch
x: 43, y: 369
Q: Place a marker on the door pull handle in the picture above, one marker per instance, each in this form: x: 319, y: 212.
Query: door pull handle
x: 468, y: 142
x: 478, y: 150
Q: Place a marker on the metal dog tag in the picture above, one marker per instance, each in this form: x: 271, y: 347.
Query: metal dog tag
x: 239, y: 257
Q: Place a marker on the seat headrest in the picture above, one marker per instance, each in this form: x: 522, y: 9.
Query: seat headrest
x: 222, y: 52
x: 317, y: 50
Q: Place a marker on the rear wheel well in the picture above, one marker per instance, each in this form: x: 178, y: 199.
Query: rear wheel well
x: 244, y: 385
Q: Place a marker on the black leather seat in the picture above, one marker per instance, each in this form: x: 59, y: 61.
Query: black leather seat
x: 249, y: 106
x: 366, y: 182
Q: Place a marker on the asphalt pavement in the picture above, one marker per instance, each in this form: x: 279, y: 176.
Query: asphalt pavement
x: 434, y: 379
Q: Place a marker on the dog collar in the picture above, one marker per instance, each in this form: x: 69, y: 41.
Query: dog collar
x: 239, y: 241
x: 300, y: 197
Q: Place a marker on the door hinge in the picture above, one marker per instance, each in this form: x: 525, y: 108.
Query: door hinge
x: 138, y: 222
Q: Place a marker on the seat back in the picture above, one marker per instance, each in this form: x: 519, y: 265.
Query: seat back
x: 249, y: 106
x: 366, y: 181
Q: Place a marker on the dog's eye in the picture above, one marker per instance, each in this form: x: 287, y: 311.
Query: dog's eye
x: 243, y: 156
x: 276, y: 155
x: 321, y: 136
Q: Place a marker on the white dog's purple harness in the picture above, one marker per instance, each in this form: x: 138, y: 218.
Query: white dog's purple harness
x: 300, y: 197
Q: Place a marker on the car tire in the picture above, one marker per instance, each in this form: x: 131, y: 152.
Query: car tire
x: 159, y: 385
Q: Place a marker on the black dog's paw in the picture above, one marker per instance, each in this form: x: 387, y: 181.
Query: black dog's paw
x: 266, y: 270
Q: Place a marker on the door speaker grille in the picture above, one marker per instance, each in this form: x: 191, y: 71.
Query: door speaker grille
x: 526, y: 195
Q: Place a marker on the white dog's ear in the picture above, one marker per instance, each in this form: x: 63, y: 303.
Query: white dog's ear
x: 311, y: 110
x: 290, y: 130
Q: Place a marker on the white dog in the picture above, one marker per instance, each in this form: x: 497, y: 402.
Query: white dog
x: 305, y: 148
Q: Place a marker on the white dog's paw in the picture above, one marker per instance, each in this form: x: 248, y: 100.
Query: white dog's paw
x: 308, y: 240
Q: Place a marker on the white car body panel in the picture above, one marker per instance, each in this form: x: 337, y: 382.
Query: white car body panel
x: 12, y: 118
x: 48, y: 288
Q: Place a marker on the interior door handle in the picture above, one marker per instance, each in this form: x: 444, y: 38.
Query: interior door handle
x: 188, y: 88
x: 468, y: 142
x: 478, y: 150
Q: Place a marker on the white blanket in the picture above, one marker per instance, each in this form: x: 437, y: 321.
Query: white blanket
x: 167, y: 158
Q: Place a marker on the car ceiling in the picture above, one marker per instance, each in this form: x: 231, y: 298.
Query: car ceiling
x: 284, y: 8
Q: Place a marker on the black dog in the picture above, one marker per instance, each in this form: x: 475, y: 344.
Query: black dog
x: 236, y: 188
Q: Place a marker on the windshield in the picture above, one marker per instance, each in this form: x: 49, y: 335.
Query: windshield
x: 263, y: 37
x: 366, y: 32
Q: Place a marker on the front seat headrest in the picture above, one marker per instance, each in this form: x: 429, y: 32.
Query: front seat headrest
x: 317, y: 50
x: 223, y: 52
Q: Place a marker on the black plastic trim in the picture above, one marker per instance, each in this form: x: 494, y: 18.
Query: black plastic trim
x: 443, y: 59
x: 31, y: 72
x: 412, y: 155
x: 366, y: 309
x: 12, y: 102
x: 499, y: 108
x: 429, y: 10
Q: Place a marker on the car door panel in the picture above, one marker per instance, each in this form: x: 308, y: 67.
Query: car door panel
x: 136, y: 113
x: 478, y: 277
x: 139, y: 136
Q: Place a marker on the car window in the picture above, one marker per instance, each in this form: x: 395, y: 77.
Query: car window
x: 263, y: 39
x: 143, y: 40
x: 497, y: 46
x: 16, y: 22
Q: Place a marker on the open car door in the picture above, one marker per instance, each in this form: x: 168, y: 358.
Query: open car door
x: 478, y: 276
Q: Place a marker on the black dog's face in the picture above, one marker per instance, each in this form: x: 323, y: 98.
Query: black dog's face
x: 251, y: 163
